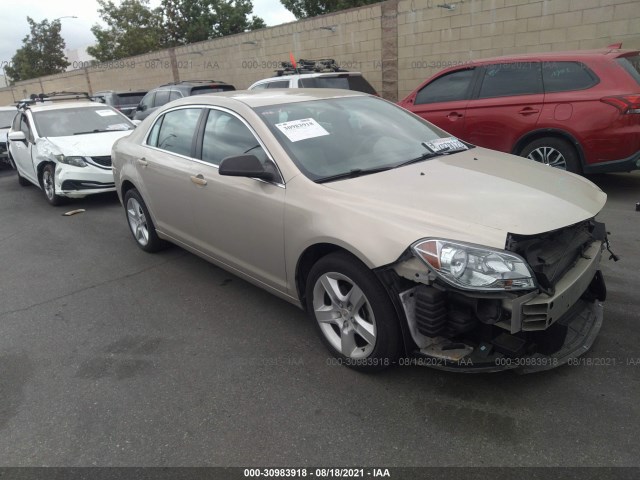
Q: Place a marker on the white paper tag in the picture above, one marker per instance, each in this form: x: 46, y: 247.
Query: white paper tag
x: 297, y: 130
x: 106, y: 113
x: 444, y: 144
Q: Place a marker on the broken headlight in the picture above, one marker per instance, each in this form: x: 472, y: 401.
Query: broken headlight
x: 74, y: 161
x: 472, y: 267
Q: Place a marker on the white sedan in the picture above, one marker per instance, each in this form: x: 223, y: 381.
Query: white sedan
x: 65, y: 148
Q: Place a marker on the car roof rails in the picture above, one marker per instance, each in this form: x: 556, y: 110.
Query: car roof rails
x: 52, y: 97
x: 322, y: 65
x: 193, y: 81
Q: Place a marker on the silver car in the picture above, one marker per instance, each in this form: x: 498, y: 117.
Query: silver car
x: 404, y: 244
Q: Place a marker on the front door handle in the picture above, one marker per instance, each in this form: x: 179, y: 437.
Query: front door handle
x: 143, y: 162
x: 454, y: 116
x: 528, y: 111
x: 198, y: 179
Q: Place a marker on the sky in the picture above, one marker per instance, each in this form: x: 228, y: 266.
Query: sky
x: 76, y: 31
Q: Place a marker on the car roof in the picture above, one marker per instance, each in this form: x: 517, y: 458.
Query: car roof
x: 576, y: 54
x: 262, y: 98
x: 65, y: 105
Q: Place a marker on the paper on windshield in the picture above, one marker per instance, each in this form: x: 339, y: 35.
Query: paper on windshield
x: 106, y: 113
x: 303, y: 129
x: 444, y: 144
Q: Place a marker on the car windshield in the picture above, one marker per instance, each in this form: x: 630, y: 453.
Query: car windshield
x: 338, y: 137
x: 81, y: 120
x: 6, y: 118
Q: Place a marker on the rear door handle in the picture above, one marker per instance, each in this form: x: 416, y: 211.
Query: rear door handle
x: 143, y: 162
x: 528, y: 111
x: 198, y: 179
x: 454, y: 116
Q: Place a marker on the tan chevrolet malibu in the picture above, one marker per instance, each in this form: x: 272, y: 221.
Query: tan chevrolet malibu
x: 404, y: 244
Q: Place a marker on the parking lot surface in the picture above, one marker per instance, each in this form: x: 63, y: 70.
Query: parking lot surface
x: 110, y: 356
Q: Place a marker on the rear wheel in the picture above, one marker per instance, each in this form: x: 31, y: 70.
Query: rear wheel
x: 353, y: 313
x: 554, y: 152
x: 49, y: 184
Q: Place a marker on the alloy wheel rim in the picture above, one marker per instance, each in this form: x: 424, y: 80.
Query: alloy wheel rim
x: 345, y: 315
x: 137, y: 222
x: 47, y: 181
x: 549, y: 156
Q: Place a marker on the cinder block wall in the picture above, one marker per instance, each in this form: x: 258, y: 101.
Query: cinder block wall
x: 396, y: 44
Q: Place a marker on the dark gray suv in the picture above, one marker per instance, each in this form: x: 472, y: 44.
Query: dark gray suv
x: 172, y: 91
x: 126, y: 102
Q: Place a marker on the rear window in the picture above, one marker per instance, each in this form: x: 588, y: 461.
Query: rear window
x: 345, y: 82
x: 129, y: 98
x: 211, y: 89
x: 632, y: 65
x: 565, y: 76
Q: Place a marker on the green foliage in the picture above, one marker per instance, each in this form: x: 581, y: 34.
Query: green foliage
x: 189, y: 21
x: 42, y: 52
x: 132, y: 29
x: 312, y: 8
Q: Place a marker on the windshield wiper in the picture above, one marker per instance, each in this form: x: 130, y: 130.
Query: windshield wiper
x: 356, y: 172
x: 431, y: 154
x: 100, y: 131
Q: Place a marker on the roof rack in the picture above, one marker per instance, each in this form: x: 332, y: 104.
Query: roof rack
x: 322, y: 65
x: 193, y: 81
x: 52, y: 97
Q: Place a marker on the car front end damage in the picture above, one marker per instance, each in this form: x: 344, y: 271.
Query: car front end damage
x: 75, y: 181
x: 533, y: 306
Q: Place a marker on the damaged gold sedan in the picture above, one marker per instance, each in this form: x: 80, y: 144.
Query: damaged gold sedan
x: 404, y: 244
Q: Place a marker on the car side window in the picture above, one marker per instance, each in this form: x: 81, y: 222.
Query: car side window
x: 565, y: 76
x: 16, y: 123
x: 448, y: 88
x: 25, y: 128
x: 176, y: 130
x: 162, y: 97
x: 509, y: 79
x: 225, y: 135
x: 174, y: 95
x: 261, y: 86
x: 280, y: 84
x: 152, y: 139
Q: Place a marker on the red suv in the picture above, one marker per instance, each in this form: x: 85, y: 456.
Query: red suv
x: 579, y: 111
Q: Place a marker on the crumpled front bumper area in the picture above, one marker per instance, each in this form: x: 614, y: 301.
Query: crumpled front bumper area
x: 579, y: 327
x: 77, y: 182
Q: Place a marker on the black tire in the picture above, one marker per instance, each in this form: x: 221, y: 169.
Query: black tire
x: 342, y: 322
x: 140, y: 223
x: 48, y: 182
x: 546, y: 150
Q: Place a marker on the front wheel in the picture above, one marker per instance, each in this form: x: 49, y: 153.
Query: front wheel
x: 140, y: 223
x: 554, y: 152
x: 353, y: 313
x: 49, y: 184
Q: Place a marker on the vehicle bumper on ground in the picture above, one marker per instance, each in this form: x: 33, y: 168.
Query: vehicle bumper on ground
x: 77, y: 182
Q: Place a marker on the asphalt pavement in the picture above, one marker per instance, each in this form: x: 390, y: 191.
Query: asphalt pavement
x: 111, y: 356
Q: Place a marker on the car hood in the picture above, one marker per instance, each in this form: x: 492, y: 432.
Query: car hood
x: 478, y: 196
x: 89, y: 145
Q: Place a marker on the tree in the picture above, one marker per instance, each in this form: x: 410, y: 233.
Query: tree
x: 312, y: 8
x: 189, y: 21
x: 42, y: 52
x: 132, y: 29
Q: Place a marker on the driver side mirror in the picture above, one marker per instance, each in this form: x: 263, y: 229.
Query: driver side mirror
x: 17, y: 137
x: 141, y: 107
x: 244, y: 166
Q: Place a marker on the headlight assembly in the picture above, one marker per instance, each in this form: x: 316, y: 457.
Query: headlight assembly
x: 74, y: 161
x: 472, y: 267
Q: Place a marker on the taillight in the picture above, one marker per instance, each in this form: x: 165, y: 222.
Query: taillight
x: 624, y: 103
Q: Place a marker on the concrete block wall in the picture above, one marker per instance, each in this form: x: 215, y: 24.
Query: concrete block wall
x: 396, y: 44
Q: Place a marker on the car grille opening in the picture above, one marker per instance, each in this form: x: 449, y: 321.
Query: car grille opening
x: 551, y: 254
x: 104, y: 161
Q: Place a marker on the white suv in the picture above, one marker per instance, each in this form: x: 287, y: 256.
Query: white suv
x: 315, y: 74
x: 65, y: 148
